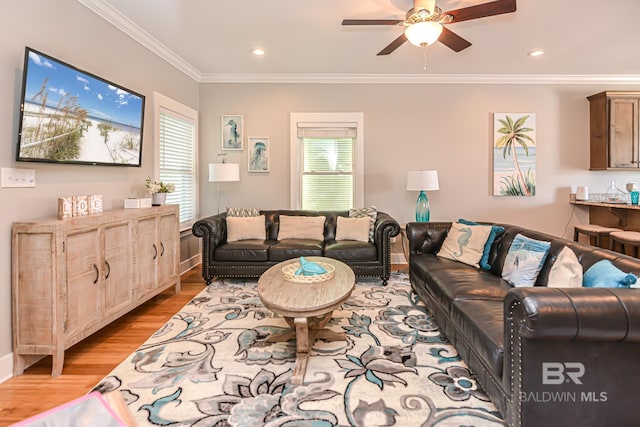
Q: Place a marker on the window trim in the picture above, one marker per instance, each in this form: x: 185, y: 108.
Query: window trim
x: 296, y: 158
x: 162, y: 102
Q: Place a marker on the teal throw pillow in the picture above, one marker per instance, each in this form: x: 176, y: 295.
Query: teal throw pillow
x: 496, y: 230
x: 603, y: 274
x: 524, y: 261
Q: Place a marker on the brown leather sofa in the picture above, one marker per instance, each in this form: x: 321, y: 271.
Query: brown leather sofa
x: 251, y: 258
x: 545, y: 356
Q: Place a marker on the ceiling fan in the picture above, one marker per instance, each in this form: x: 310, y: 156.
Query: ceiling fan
x: 424, y: 23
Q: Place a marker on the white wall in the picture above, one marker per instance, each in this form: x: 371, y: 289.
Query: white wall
x: 418, y: 126
x: 70, y: 32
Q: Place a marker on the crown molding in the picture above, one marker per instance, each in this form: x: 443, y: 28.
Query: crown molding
x: 124, y: 24
x: 127, y: 26
x: 502, y: 79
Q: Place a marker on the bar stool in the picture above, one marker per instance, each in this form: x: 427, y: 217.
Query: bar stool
x: 627, y: 240
x: 595, y: 233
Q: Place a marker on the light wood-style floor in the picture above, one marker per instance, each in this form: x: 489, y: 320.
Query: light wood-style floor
x: 87, y: 362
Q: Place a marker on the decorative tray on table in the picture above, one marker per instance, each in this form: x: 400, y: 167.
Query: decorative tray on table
x: 289, y: 273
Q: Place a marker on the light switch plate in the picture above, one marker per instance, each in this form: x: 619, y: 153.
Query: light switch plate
x: 18, y: 177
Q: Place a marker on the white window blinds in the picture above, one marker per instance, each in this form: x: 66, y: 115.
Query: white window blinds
x: 177, y: 161
x: 327, y: 175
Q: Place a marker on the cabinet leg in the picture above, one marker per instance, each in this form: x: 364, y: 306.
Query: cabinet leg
x: 19, y: 364
x: 58, y: 362
x: 176, y: 288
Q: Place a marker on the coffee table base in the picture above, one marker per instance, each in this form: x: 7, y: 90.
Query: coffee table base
x: 306, y: 330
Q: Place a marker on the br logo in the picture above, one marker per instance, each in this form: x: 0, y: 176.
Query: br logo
x: 554, y: 373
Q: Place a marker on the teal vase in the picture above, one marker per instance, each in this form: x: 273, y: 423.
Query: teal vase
x: 422, y: 208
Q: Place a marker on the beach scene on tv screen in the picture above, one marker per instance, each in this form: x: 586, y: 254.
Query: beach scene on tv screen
x: 70, y: 116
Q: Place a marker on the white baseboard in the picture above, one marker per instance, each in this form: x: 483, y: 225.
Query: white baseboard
x: 188, y: 264
x: 6, y: 367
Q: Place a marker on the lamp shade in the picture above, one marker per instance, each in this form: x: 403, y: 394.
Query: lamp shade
x: 423, y: 33
x: 422, y: 181
x: 224, y: 172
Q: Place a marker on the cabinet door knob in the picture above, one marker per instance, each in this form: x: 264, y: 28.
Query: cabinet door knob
x: 108, y: 269
x: 162, y: 246
x: 97, y: 274
x: 155, y: 248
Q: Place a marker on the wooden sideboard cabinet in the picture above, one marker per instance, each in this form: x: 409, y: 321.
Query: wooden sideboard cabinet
x: 613, y: 125
x: 72, y: 277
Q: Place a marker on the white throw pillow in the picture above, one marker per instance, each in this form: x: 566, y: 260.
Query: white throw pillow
x: 353, y: 229
x: 371, y: 212
x: 301, y: 227
x: 245, y: 228
x: 465, y: 243
x: 566, y: 271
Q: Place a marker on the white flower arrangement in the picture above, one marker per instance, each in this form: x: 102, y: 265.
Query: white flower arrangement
x: 159, y: 187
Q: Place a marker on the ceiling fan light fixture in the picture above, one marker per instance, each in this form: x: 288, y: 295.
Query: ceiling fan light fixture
x: 423, y: 33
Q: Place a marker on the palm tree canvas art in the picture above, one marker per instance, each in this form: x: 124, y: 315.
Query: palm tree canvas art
x: 514, y: 154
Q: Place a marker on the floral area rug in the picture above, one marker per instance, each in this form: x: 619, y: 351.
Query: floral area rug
x: 211, y: 365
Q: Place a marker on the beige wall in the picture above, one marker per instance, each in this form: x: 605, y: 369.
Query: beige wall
x: 68, y: 31
x: 417, y: 126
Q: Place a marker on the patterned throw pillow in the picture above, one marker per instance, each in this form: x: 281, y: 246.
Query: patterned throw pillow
x: 242, y: 212
x: 465, y: 243
x: 370, y: 212
x: 524, y: 261
x: 496, y: 230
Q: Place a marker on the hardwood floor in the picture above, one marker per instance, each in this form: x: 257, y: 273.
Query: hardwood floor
x: 87, y: 362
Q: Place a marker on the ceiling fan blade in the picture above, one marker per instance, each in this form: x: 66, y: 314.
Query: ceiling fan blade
x: 452, y: 40
x: 492, y: 8
x: 393, y: 45
x: 371, y: 21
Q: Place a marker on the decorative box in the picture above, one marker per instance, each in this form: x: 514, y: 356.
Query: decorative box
x: 80, y: 205
x: 145, y: 202
x: 95, y: 204
x: 131, y: 203
x: 65, y: 207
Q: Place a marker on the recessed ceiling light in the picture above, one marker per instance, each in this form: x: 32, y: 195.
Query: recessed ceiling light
x: 537, y: 52
x: 257, y: 51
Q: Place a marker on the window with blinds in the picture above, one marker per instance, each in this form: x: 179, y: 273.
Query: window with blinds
x: 327, y: 165
x: 327, y: 160
x: 327, y: 174
x: 177, y: 127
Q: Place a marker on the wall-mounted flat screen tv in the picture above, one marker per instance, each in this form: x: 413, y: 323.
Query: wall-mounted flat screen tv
x: 68, y: 115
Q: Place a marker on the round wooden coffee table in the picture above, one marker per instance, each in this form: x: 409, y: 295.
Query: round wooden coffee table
x: 306, y: 307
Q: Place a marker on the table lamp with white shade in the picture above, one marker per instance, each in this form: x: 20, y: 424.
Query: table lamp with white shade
x: 223, y: 172
x: 422, y: 181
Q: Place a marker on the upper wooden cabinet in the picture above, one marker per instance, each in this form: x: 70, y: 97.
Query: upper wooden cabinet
x: 613, y: 125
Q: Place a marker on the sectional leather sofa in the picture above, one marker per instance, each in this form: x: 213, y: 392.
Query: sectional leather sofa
x: 545, y: 356
x: 250, y: 258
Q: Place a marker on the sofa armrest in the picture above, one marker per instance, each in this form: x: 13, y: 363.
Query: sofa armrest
x: 213, y: 231
x: 574, y: 314
x: 426, y: 237
x: 385, y: 224
x: 577, y: 345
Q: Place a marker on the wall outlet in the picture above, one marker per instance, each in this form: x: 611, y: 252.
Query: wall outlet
x: 15, y: 177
